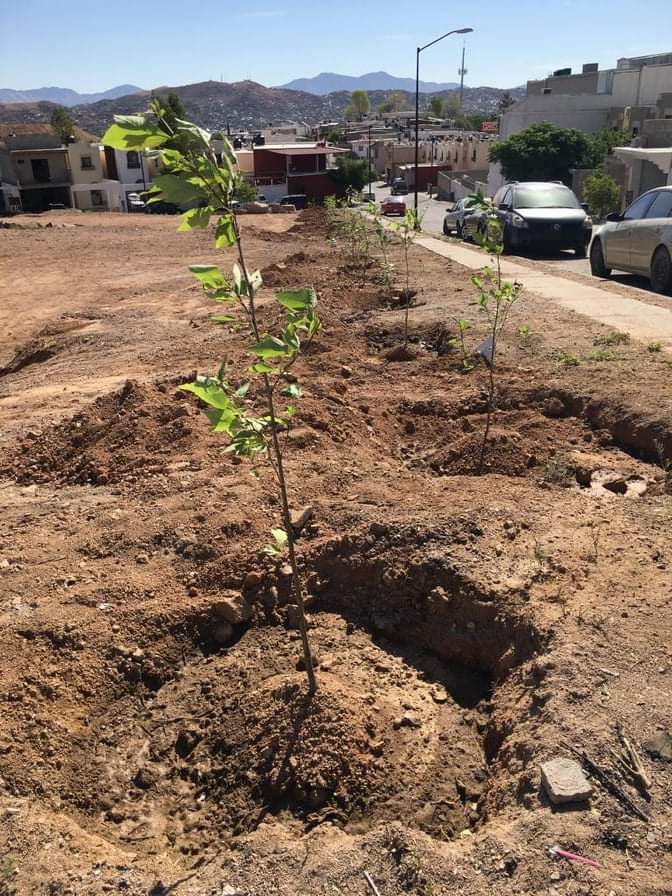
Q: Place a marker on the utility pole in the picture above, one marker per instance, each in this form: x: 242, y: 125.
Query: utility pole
x: 369, y: 196
x: 462, y: 72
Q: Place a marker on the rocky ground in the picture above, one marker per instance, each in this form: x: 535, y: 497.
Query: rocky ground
x: 471, y: 624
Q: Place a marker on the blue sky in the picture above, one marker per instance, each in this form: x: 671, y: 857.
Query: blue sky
x: 94, y: 46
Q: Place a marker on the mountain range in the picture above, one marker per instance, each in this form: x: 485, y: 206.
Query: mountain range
x: 242, y: 105
x: 63, y: 96
x: 330, y: 82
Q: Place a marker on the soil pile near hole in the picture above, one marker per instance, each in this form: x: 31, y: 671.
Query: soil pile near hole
x: 505, y: 453
x: 115, y: 438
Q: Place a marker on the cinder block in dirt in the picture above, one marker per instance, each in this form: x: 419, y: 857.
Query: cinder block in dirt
x: 564, y: 781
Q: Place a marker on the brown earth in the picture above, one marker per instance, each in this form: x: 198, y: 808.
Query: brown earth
x: 155, y: 734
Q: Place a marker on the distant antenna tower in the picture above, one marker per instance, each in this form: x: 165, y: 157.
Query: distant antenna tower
x: 462, y: 71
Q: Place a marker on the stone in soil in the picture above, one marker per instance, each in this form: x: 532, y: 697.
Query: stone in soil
x: 564, y: 781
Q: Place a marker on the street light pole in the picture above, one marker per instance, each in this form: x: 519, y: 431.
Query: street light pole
x: 417, y: 109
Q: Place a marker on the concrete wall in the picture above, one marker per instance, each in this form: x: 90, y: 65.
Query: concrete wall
x: 657, y: 132
x: 566, y: 84
x: 110, y: 193
x: 7, y: 173
x: 587, y: 113
x: 92, y: 151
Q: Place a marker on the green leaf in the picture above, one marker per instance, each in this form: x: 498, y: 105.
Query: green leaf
x: 280, y: 537
x: 177, y: 190
x: 225, y: 234
x: 297, y: 299
x: 221, y: 420
x: 237, y: 277
x: 262, y: 367
x: 134, y: 132
x: 209, y: 390
x: 196, y: 217
x: 291, y: 391
x: 209, y: 276
x: 222, y: 318
x: 271, y: 550
x: 270, y: 347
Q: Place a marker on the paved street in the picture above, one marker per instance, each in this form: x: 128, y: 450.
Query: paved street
x: 433, y: 210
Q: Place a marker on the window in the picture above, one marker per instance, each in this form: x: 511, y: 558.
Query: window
x: 133, y: 159
x: 639, y: 207
x: 548, y: 196
x: 96, y: 199
x: 87, y: 163
x: 661, y: 207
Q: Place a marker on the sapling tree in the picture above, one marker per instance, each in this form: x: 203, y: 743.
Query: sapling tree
x: 384, y: 239
x: 407, y: 229
x: 252, y: 415
x: 495, y: 299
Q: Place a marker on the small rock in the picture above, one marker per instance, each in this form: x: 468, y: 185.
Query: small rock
x: 346, y: 371
x: 583, y: 476
x: 314, y: 583
x: 285, y: 571
x: 293, y: 616
x: 564, y: 781
x: 299, y: 518
x: 553, y: 407
x: 235, y: 609
x: 144, y: 778
x: 253, y: 579
x: 439, y: 694
x: 406, y: 721
x: 142, y: 558
x: 660, y: 746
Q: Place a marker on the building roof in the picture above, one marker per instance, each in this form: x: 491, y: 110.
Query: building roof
x: 299, y: 150
x: 35, y: 129
x: 660, y: 156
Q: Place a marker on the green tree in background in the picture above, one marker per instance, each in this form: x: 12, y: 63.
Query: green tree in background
x: 394, y: 102
x: 602, y: 145
x: 602, y: 194
x: 351, y: 173
x: 436, y: 106
x: 504, y: 103
x: 360, y: 104
x: 62, y: 123
x: 542, y: 151
x: 452, y: 106
x: 245, y: 192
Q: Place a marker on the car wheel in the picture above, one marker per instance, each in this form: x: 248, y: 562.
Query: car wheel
x: 580, y: 251
x: 597, y: 266
x: 446, y: 229
x: 661, y: 271
x: 506, y: 242
x: 459, y: 230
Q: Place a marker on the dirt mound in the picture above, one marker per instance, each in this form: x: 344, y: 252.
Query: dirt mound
x: 119, y: 436
x: 295, y: 268
x: 505, y: 453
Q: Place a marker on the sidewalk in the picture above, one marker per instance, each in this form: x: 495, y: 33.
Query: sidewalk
x: 647, y: 323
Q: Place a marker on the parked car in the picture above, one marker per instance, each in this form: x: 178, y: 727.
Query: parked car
x: 393, y: 206
x: 638, y: 241
x: 134, y: 203
x: 455, y: 215
x: 399, y: 187
x: 298, y: 200
x: 542, y: 215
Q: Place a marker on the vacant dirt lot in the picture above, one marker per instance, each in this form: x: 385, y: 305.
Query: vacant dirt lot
x: 470, y: 624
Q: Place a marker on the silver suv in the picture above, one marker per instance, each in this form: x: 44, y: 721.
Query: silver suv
x: 638, y: 241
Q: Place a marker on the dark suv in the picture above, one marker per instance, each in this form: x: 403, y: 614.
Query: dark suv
x: 539, y: 215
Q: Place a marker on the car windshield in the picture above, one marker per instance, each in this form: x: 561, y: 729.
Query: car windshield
x: 546, y: 197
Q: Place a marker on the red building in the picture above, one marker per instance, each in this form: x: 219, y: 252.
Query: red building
x: 290, y: 168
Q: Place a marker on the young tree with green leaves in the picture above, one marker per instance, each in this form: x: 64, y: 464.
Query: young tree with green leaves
x: 351, y: 173
x: 248, y: 414
x: 407, y: 230
x: 62, y: 123
x: 496, y: 297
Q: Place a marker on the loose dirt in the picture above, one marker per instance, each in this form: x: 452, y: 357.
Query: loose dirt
x: 471, y: 621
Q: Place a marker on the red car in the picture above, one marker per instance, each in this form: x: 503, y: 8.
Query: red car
x: 393, y: 206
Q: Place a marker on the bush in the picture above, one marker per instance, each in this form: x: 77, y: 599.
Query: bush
x: 602, y: 194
